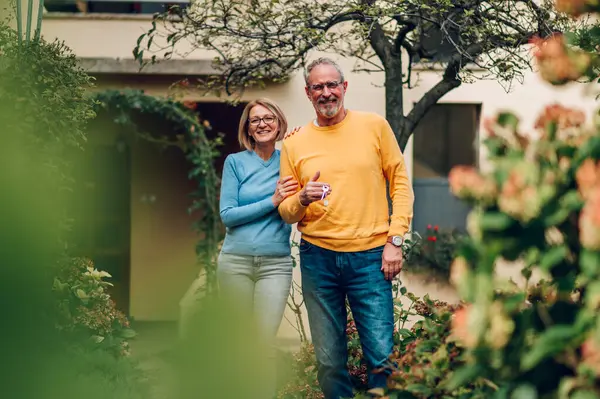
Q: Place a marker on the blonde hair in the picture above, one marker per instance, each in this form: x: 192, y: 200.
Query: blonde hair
x: 246, y: 141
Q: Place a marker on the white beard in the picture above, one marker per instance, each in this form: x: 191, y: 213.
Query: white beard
x: 329, y: 112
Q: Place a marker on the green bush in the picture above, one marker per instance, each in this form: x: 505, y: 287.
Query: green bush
x: 44, y: 108
x: 424, y: 357
x: 538, y: 204
x: 86, y: 310
x: 433, y: 254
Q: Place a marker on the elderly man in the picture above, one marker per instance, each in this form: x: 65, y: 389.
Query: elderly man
x: 350, y: 248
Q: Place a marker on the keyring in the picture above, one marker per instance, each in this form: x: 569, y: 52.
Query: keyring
x: 325, y: 189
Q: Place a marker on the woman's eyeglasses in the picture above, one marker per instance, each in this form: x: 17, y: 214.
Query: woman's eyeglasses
x: 267, y: 119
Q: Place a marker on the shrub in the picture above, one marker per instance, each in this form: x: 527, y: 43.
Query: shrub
x: 434, y: 253
x: 85, y: 310
x: 539, y: 204
x: 424, y: 355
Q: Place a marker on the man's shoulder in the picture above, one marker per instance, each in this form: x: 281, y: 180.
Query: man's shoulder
x: 369, y: 115
x: 298, y: 137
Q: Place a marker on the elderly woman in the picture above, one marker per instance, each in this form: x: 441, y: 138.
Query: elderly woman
x: 255, y: 264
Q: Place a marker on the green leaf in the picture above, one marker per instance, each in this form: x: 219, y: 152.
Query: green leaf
x: 405, y: 332
x: 376, y: 391
x: 428, y: 346
x: 557, y: 217
x: 97, y: 338
x: 572, y: 201
x: 524, y: 392
x: 584, y: 395
x: 551, y: 342
x: 419, y: 389
x: 553, y: 257
x: 463, y: 376
x: 128, y: 333
x: 403, y: 394
x: 508, y: 119
x: 589, y: 261
x: 495, y: 221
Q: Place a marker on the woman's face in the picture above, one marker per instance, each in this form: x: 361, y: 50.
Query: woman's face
x: 263, y: 125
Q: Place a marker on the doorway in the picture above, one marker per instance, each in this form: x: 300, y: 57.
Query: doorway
x: 102, y: 214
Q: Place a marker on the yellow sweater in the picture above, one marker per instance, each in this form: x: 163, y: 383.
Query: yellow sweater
x: 355, y: 157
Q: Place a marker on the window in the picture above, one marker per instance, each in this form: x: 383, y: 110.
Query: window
x: 446, y: 137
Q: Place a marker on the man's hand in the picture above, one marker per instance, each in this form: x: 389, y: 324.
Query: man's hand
x: 391, y: 262
x: 313, y: 191
x: 292, y: 132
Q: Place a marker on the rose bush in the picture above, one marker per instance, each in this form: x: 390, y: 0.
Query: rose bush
x: 541, y: 207
x: 433, y: 254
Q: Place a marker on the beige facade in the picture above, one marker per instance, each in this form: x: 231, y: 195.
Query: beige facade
x: 162, y: 245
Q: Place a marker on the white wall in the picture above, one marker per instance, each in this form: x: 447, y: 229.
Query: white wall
x: 527, y: 100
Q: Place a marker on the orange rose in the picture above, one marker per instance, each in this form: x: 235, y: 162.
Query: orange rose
x: 519, y: 196
x: 461, y: 327
x: 573, y: 7
x: 587, y: 176
x: 501, y: 326
x: 590, y: 355
x: 558, y: 64
x: 564, y: 117
x: 467, y: 183
x: 589, y: 221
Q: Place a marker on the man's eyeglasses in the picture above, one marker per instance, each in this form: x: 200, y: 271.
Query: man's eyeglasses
x: 267, y: 119
x: 330, y: 85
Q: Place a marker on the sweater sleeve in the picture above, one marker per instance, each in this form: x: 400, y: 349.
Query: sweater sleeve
x: 231, y: 213
x: 291, y: 210
x: 401, y: 191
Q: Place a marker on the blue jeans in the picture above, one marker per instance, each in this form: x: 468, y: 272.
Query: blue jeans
x: 328, y: 277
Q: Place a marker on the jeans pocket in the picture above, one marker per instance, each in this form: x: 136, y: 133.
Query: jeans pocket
x: 304, y: 246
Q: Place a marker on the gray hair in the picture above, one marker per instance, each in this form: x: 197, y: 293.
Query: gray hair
x: 322, y: 61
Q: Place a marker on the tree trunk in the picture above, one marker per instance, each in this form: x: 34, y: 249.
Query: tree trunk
x: 394, y: 98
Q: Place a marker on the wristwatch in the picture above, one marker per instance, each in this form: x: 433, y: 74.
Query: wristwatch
x: 396, y: 241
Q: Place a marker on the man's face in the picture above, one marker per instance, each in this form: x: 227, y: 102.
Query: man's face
x: 326, y: 90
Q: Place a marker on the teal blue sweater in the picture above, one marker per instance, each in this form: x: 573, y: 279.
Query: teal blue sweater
x: 254, y: 226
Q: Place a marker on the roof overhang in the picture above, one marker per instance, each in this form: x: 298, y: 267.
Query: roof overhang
x: 116, y: 66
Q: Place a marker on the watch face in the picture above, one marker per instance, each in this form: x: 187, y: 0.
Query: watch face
x: 397, y: 241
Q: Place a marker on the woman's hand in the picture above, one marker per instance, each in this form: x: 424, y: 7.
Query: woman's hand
x: 292, y: 132
x: 286, y: 186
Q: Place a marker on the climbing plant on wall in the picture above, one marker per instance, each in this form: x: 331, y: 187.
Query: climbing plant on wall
x: 133, y: 109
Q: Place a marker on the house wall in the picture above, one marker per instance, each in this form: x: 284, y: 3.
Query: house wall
x: 527, y: 100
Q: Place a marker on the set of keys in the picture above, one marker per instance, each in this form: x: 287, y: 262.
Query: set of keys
x: 325, y: 191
